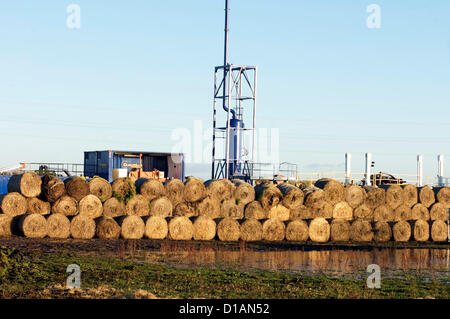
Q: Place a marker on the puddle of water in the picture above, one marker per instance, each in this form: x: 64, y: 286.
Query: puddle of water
x: 330, y: 261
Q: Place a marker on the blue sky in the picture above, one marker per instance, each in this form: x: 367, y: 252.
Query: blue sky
x: 137, y: 70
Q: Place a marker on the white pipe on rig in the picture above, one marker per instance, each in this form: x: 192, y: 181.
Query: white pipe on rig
x: 419, y: 170
x: 348, y: 173
x: 441, y: 170
x: 368, y: 166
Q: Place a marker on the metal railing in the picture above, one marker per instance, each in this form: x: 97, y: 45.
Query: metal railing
x: 59, y: 169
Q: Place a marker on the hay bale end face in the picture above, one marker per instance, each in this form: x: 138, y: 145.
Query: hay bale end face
x: 438, y: 212
x: 175, y: 191
x: 101, y: 188
x: 6, y: 225
x: 52, y: 188
x: 340, y: 230
x: 131, y: 227
x: 228, y: 229
x: 419, y: 211
x: 114, y: 208
x: 334, y: 191
x: 58, y: 226
x: 254, y: 210
x: 77, y: 187
x: 268, y: 195
x: 383, y: 213
x: 194, y: 190
x: 273, y: 229
x: 150, y: 188
x: 184, y: 209
x: 204, y: 228
x: 138, y: 206
x: 251, y: 230
x: 395, y: 196
x: 156, y: 227
x: 426, y: 196
x: 375, y: 197
x: 403, y: 212
x: 28, y: 184
x: 421, y: 230
x: 90, y: 206
x: 301, y: 212
x: 439, y: 231
x: 292, y: 196
x: 161, y: 207
x: 230, y: 208
x: 13, y: 204
x: 33, y: 226
x: 208, y: 207
x: 382, y: 231
x: 280, y: 212
x: 411, y: 195
x: 220, y: 189
x: 82, y: 227
x: 363, y: 212
x: 107, y: 228
x: 343, y: 210
x: 401, y: 231
x: 319, y: 230
x: 443, y: 195
x: 354, y: 195
x: 123, y: 189
x: 181, y: 228
x: 314, y: 197
x: 325, y: 210
x: 37, y: 206
x: 244, y: 192
x: 297, y: 230
x: 361, y: 231
x: 66, y: 205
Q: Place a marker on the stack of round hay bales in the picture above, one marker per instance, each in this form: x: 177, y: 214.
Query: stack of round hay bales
x: 251, y: 230
x: 175, y: 191
x: 244, y: 192
x: 124, y: 189
x: 77, y: 187
x: 101, y: 188
x: 52, y: 188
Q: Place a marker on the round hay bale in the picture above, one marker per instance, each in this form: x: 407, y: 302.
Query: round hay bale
x: 438, y: 212
x: 107, y: 228
x: 52, y: 188
x: 419, y: 211
x: 354, y: 195
x: 439, y: 231
x: 181, y: 228
x: 131, y: 227
x: 244, y: 192
x: 319, y: 230
x: 375, y: 197
x: 194, y: 190
x: 273, y: 229
x: 204, y: 228
x: 123, y: 189
x: 421, y: 230
x: 401, y: 231
x: 443, y: 195
x: 292, y: 196
x: 28, y: 184
x: 33, y: 226
x: 208, y: 207
x: 6, y: 225
x: 156, y: 227
x: 175, y: 191
x: 13, y: 204
x: 340, y: 230
x: 334, y: 191
x: 343, y: 210
x: 383, y: 213
x: 394, y: 195
x: 220, y: 189
x: 65, y: 205
x: 280, y: 212
x: 361, y: 231
x: 382, y: 232
x: 37, y: 206
x: 254, y: 210
x: 297, y: 230
x: 301, y: 212
x: 161, y: 207
x: 184, y: 209
x: 230, y: 208
x: 114, y: 208
x: 138, y: 206
x: 363, y: 212
x: 402, y: 212
x: 325, y: 210
x: 101, y: 188
x: 411, y: 195
x: 251, y: 230
x: 90, y: 206
x: 58, y: 226
x: 77, y: 187
x: 228, y: 229
x: 150, y: 188
x: 314, y: 197
x: 82, y: 227
x: 269, y: 195
x: 426, y: 196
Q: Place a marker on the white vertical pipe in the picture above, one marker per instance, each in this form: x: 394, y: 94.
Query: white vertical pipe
x: 419, y: 170
x: 368, y: 166
x: 348, y: 173
x: 440, y: 170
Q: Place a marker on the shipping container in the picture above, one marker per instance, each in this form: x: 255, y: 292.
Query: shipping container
x: 4, y: 179
x: 102, y: 163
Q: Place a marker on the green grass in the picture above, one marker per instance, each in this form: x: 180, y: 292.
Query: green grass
x: 28, y: 276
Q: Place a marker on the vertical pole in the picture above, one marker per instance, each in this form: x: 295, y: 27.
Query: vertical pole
x: 441, y: 170
x: 214, y: 126
x: 227, y: 159
x: 225, y: 57
x: 419, y: 170
x: 255, y: 74
x: 348, y: 159
x: 368, y: 166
